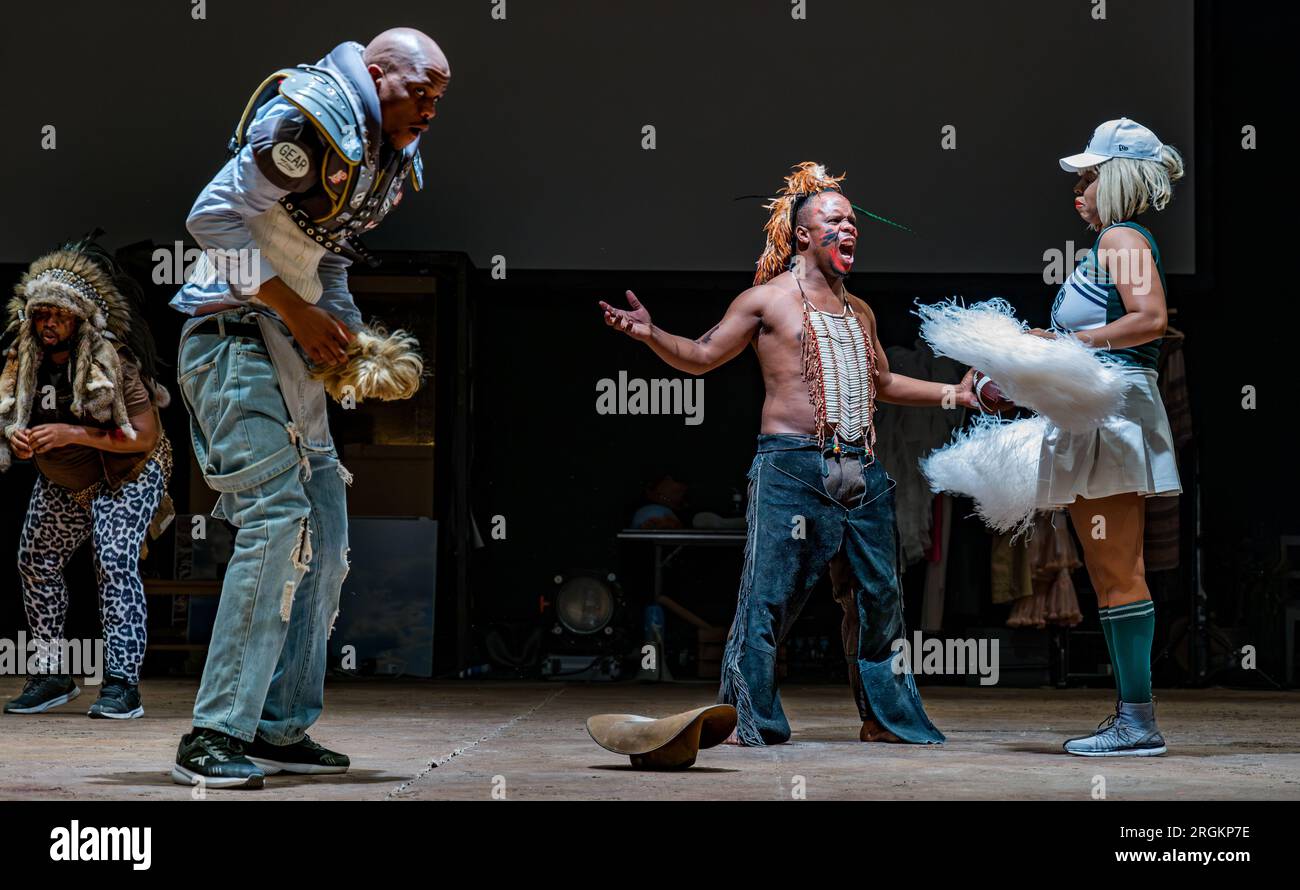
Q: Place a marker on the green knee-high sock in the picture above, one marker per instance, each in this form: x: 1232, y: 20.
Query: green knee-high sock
x: 1104, y: 614
x: 1132, y: 628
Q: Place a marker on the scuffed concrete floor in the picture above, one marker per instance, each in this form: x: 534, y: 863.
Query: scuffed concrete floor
x: 462, y: 741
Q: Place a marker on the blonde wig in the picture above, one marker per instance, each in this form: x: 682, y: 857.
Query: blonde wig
x: 1127, y: 187
x: 379, y: 366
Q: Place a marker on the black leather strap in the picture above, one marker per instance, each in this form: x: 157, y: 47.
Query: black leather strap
x: 243, y: 329
x: 234, y: 328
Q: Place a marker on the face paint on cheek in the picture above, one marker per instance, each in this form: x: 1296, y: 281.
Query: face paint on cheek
x: 838, y: 263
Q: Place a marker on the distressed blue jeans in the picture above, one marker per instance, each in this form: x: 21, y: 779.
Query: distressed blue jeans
x: 261, y: 438
x: 811, y: 512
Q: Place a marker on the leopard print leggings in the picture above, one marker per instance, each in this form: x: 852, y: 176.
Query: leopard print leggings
x: 117, y: 523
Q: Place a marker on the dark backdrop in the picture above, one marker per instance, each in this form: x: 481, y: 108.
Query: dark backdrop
x: 538, y: 157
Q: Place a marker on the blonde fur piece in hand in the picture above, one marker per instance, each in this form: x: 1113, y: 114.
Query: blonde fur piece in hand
x: 996, y: 463
x: 379, y: 366
x: 1076, y: 386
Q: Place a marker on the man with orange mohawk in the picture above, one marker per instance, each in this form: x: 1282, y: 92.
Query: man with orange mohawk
x: 818, y: 499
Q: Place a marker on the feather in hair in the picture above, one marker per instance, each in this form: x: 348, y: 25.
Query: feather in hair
x: 808, y: 178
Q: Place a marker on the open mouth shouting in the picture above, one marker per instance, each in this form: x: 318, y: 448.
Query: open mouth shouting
x: 844, y: 250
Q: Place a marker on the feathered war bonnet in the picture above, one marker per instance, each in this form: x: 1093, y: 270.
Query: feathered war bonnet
x: 76, y: 282
x: 808, y: 179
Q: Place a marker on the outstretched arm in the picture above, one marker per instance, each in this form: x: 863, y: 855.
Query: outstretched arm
x: 898, y: 389
x: 720, y: 344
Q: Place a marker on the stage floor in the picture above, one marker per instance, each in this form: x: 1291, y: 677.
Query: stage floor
x: 459, y: 741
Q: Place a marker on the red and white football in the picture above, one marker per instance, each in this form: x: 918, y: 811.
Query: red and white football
x: 989, y: 394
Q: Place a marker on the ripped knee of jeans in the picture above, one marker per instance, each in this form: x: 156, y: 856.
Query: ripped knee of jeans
x: 304, y: 456
x: 301, y: 558
x: 347, y: 567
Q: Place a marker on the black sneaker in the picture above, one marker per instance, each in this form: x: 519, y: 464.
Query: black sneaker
x: 304, y: 758
x: 42, y: 692
x: 215, y: 759
x: 118, y: 700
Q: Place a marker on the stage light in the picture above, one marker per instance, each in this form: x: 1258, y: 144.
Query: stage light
x: 587, y: 621
x: 584, y: 604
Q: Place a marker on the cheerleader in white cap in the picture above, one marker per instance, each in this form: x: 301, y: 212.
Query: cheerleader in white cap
x: 1115, y: 300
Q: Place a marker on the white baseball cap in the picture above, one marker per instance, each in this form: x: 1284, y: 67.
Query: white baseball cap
x: 1121, y: 138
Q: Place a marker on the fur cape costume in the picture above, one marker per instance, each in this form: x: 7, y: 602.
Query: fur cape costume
x: 74, y: 282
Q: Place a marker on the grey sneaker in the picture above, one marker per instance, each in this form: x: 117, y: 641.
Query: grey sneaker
x: 1129, y: 732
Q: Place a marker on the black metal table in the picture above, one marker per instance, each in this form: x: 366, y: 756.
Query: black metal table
x: 678, y: 540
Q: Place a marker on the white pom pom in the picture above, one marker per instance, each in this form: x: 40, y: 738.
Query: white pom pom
x: 996, y: 463
x: 1075, y: 386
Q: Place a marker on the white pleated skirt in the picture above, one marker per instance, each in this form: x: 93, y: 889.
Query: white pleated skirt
x: 1133, y: 451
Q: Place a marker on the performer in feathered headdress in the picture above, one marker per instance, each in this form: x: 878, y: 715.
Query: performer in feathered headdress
x: 71, y: 284
x: 78, y: 396
x: 819, y: 502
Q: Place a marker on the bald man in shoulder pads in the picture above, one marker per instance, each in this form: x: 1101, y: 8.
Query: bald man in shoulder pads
x: 321, y: 155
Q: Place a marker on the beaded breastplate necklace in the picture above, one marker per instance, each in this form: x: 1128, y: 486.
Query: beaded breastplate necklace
x: 839, y: 367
